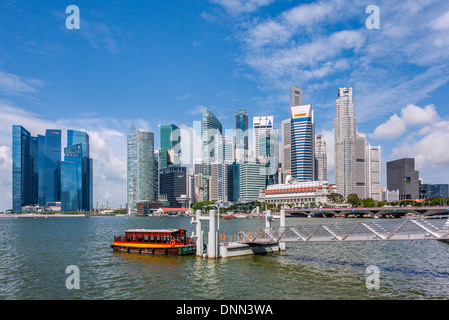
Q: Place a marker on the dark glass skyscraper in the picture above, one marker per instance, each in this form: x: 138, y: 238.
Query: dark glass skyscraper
x: 170, y: 148
x: 52, y: 167
x: 75, y: 137
x: 24, y: 168
x: 39, y: 175
x: 77, y: 173
x: 173, y: 184
x: 71, y: 178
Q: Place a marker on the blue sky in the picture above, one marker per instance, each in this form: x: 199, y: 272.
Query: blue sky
x: 158, y: 62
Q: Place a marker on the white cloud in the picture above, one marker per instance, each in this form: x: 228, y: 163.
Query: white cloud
x: 411, y: 115
x: 15, y: 85
x: 197, y: 110
x: 428, y: 148
x: 316, y: 55
x: 391, y: 129
x: 236, y: 7
x: 326, y: 43
x: 414, y: 115
x: 442, y: 22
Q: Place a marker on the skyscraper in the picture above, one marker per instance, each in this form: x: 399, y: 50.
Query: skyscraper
x: 361, y: 166
x: 344, y: 143
x: 219, y: 179
x: 223, y: 150
x: 52, y: 167
x: 140, y: 167
x: 24, y: 167
x: 241, y: 135
x: 367, y: 175
x: 320, y: 158
x: 173, y: 185
x: 295, y: 100
x: 295, y: 96
x: 211, y: 127
x: 286, y: 149
x: 402, y: 176
x: 251, y: 179
x: 145, y: 165
x: 131, y: 172
x: 374, y: 176
x: 71, y: 178
x: 39, y: 175
x: 260, y: 126
x: 302, y: 143
x: 269, y: 154
x: 75, y: 137
x: 170, y: 148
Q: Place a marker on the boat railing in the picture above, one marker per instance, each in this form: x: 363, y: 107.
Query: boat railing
x: 167, y: 239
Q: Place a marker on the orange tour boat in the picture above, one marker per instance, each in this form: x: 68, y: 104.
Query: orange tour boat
x: 162, y: 241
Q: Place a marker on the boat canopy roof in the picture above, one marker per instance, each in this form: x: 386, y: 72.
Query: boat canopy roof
x: 152, y: 230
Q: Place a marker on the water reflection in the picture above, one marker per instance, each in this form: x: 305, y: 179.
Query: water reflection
x: 35, y: 253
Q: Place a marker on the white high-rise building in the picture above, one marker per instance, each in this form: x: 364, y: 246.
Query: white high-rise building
x: 219, y: 182
x: 260, y: 126
x: 367, y: 169
x: 295, y: 96
x: 344, y: 143
x: 320, y: 158
x: 374, y: 182
x: 223, y: 150
x: 286, y: 149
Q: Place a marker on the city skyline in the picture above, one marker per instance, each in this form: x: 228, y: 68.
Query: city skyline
x: 108, y: 74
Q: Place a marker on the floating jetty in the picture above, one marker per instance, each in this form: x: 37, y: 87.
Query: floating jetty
x: 216, y: 249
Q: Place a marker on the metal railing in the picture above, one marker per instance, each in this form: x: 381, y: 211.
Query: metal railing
x: 428, y: 228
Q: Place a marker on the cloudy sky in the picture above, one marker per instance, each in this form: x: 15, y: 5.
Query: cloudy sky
x: 149, y: 63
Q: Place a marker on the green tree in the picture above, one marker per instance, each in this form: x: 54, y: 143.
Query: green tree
x: 335, y: 197
x: 353, y: 199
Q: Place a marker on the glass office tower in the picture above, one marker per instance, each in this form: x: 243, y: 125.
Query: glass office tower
x: 145, y: 165
x: 173, y: 185
x: 52, y: 167
x: 24, y: 168
x: 132, y: 169
x: 140, y: 167
x: 75, y: 137
x: 241, y: 135
x: 71, y: 178
x: 39, y: 175
x: 269, y: 154
x: 211, y: 127
x: 170, y: 148
x: 80, y: 137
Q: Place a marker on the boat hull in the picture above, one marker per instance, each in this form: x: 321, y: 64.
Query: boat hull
x: 154, y: 249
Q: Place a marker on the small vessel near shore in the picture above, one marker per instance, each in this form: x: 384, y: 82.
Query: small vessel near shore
x: 159, y: 241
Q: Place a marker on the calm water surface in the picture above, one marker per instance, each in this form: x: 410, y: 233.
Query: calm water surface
x: 34, y: 254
